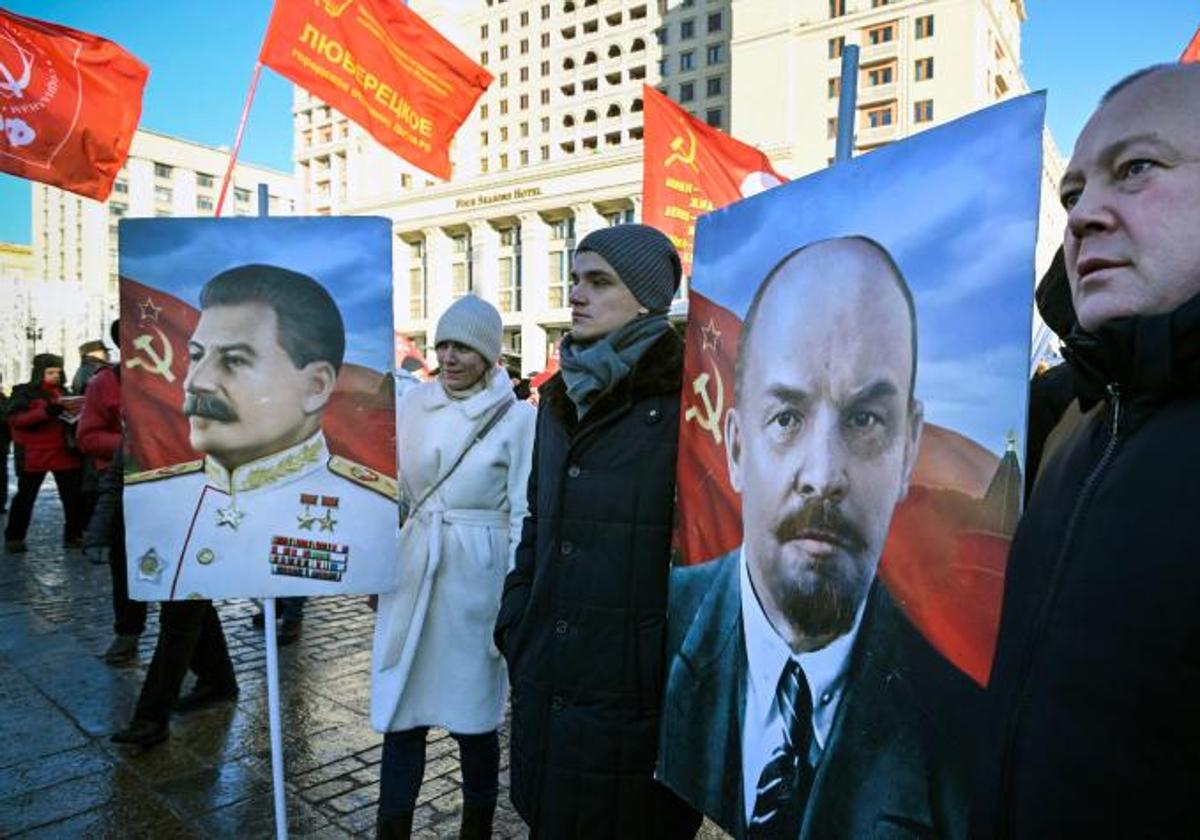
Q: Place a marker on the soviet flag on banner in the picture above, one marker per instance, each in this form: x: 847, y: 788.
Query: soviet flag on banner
x: 382, y: 66
x: 691, y: 168
x: 155, y: 328
x: 1192, y: 52
x: 69, y: 104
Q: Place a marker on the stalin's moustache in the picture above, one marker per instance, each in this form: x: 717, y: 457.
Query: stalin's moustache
x: 210, y: 407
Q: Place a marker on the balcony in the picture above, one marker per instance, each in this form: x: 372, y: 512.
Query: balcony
x: 872, y: 53
x: 875, y: 94
x: 868, y: 137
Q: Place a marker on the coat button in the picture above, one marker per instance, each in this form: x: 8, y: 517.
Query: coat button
x: 573, y: 471
x: 560, y: 627
x: 566, y: 547
x: 557, y: 703
x: 653, y: 416
x: 205, y: 556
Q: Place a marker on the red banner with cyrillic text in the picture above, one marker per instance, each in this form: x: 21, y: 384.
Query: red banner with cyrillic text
x: 382, y: 66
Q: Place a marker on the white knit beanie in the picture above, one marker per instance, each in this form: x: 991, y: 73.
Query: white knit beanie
x: 472, y: 321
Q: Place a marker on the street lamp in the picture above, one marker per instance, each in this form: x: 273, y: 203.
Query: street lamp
x: 33, y: 333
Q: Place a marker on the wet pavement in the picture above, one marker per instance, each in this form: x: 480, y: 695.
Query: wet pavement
x: 60, y: 776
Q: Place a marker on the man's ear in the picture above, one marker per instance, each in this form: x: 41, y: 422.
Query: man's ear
x: 320, y: 379
x: 733, y: 448
x: 912, y: 444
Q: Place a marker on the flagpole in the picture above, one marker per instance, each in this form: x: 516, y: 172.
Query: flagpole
x: 847, y: 99
x: 237, y: 140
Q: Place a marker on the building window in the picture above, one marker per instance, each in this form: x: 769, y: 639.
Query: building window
x: 460, y: 280
x: 924, y: 26
x: 483, y: 138
x: 416, y: 292
x: 483, y: 58
x: 503, y: 133
x: 121, y: 187
x: 203, y: 181
x: 836, y: 46
x: 483, y: 32
x: 523, y: 101
x: 687, y: 92
x: 545, y: 39
x: 923, y: 69
x: 524, y: 46
x: 875, y: 4
x: 503, y: 107
x: 687, y: 29
x: 687, y: 60
x: 837, y: 8
x: 831, y: 128
x: 545, y: 153
x: 524, y: 157
x: 483, y: 111
x: 881, y: 34
x: 664, y: 68
x: 923, y: 111
x: 880, y: 117
x: 660, y: 35
x: 503, y: 25
x: 712, y: 86
x: 524, y: 18
x: 833, y: 87
x: 524, y: 129
x: 713, y: 117
x: 545, y: 68
x: 1001, y: 86
x: 504, y: 52
x: 546, y: 11
x: 560, y: 279
x: 241, y: 195
x: 204, y: 203
x: 162, y: 194
x: 510, y: 288
x: 715, y: 22
x: 545, y: 96
x: 545, y: 124
x: 883, y: 75
x: 483, y: 165
x: 504, y: 79
x: 714, y: 54
x: 162, y: 170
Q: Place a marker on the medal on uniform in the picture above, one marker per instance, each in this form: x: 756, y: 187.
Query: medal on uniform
x: 305, y: 519
x: 326, y: 521
x: 230, y: 516
x: 150, y: 566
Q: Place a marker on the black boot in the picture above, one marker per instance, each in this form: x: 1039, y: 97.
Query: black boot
x: 477, y: 821
x: 395, y: 827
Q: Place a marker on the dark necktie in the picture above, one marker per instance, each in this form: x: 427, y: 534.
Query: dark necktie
x: 784, y: 783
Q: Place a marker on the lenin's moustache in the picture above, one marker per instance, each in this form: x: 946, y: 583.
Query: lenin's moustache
x: 208, y: 406
x: 823, y: 517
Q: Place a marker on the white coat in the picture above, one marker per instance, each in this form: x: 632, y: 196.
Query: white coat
x: 433, y: 662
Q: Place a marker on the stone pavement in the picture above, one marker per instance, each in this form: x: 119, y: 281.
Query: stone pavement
x: 61, y: 777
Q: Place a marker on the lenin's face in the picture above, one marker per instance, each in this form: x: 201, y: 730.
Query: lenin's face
x: 1132, y: 193
x: 245, y: 398
x: 822, y: 441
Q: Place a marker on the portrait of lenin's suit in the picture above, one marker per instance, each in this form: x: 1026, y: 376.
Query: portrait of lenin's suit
x: 876, y: 741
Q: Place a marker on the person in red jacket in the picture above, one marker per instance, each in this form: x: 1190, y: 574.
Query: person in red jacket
x: 40, y: 435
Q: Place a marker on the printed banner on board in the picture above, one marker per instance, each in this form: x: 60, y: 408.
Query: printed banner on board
x: 382, y: 66
x: 69, y: 104
x: 691, y: 168
x: 260, y: 416
x: 854, y: 401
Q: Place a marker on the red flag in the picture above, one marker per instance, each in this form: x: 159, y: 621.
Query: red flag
x: 410, y: 358
x: 1192, y: 52
x: 551, y: 368
x: 382, y: 66
x: 691, y: 168
x: 359, y: 422
x: 69, y: 104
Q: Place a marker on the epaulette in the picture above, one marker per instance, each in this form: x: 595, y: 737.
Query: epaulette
x: 164, y: 472
x: 364, y: 476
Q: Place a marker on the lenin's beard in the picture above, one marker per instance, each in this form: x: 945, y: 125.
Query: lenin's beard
x: 210, y: 407
x: 821, y: 600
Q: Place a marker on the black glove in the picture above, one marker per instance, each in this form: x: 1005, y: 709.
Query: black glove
x: 54, y: 409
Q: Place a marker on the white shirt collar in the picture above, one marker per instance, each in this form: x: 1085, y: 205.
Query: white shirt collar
x: 270, y: 470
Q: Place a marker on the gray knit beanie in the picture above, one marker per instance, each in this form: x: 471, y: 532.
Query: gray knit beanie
x: 472, y: 321
x: 643, y: 258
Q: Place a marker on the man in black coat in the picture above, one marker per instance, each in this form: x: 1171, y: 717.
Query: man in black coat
x: 583, y: 616
x: 800, y: 700
x: 1092, y: 728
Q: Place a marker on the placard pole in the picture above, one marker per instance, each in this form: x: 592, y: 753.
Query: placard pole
x: 281, y: 826
x: 847, y: 100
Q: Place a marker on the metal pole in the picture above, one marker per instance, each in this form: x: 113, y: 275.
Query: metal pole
x: 847, y: 100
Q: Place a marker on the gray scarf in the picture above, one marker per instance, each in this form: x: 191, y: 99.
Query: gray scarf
x: 591, y: 369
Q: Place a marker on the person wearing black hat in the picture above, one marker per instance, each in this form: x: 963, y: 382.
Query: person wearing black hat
x: 583, y: 618
x: 93, y: 358
x: 34, y: 413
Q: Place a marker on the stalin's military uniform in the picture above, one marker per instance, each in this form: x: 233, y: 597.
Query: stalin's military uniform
x: 299, y: 522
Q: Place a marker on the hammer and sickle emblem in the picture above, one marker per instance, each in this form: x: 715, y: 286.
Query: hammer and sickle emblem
x: 156, y: 363
x: 334, y: 8
x: 688, y: 157
x: 710, y: 419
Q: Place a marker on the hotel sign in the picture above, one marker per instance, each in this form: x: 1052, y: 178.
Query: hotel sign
x: 484, y: 199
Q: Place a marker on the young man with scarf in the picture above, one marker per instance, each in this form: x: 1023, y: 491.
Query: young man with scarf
x: 583, y: 618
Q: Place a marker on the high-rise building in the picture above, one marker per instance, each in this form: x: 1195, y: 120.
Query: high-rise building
x: 75, y: 238
x: 553, y: 149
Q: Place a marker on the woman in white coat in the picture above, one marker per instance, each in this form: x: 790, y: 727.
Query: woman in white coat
x: 464, y: 447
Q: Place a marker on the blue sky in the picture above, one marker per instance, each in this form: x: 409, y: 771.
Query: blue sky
x: 201, y: 55
x: 966, y: 252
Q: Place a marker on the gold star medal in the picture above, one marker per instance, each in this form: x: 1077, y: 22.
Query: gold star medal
x: 305, y: 518
x: 150, y: 566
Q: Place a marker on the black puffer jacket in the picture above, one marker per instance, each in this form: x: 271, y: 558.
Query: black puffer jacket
x: 583, y: 619
x: 1094, y: 730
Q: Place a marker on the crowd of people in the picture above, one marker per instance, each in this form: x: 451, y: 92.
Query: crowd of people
x: 536, y: 547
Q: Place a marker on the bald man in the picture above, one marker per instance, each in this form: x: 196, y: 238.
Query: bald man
x: 1092, y: 728
x: 800, y: 701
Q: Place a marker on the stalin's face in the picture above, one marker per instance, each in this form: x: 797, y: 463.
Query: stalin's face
x: 245, y: 398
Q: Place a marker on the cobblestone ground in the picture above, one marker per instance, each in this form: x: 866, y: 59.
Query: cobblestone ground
x: 61, y: 777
